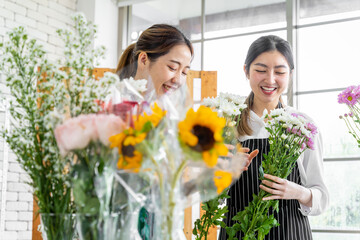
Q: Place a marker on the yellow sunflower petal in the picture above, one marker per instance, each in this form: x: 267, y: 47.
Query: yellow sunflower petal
x: 129, y: 140
x: 189, y: 138
x: 139, y: 138
x: 210, y: 158
x: 116, y: 140
x: 120, y: 163
x: 222, y: 180
x: 221, y: 149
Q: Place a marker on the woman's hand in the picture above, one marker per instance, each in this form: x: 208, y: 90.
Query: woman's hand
x: 250, y: 156
x: 284, y: 189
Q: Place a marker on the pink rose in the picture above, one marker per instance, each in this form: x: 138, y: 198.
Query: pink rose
x: 76, y: 133
x: 107, y: 126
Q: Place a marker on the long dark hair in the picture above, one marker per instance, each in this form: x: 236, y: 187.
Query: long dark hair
x: 156, y: 41
x: 263, y: 44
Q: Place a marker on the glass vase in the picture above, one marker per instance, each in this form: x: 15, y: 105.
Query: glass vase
x: 57, y: 226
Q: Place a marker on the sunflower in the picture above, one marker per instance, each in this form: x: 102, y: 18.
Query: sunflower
x: 154, y: 118
x: 222, y: 180
x: 126, y: 142
x: 202, y: 132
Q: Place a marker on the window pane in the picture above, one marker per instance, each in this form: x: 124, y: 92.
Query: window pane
x: 336, y: 236
x: 196, y: 62
x: 227, y: 57
x: 344, y: 209
x: 328, y: 56
x: 325, y: 10
x: 234, y: 17
x: 184, y: 14
x: 325, y: 111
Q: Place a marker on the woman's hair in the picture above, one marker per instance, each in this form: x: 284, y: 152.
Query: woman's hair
x: 263, y: 44
x: 156, y: 41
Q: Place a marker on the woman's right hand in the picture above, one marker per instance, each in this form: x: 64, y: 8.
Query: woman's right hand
x: 250, y: 156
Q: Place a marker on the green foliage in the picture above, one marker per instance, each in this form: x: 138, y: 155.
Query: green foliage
x: 41, y: 94
x: 213, y: 215
x: 30, y: 137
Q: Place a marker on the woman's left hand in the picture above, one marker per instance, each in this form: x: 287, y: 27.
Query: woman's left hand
x: 284, y: 189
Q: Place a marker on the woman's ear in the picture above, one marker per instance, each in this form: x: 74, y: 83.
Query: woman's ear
x: 246, y: 73
x: 142, y: 59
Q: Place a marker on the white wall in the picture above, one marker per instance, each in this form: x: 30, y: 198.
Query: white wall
x: 106, y: 18
x: 41, y: 18
x: 104, y: 14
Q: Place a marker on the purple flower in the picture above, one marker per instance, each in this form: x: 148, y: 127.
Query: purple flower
x: 350, y: 95
x: 312, y: 128
x: 310, y: 143
x: 351, y: 114
x: 303, y: 145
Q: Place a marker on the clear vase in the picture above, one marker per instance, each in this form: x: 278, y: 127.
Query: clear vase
x: 57, y: 226
x: 98, y: 227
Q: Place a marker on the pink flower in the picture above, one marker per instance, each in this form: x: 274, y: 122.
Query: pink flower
x: 107, y: 126
x: 310, y: 143
x: 312, y: 128
x: 350, y: 95
x: 76, y: 133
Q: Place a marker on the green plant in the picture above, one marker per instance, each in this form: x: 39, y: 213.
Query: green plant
x: 213, y: 215
x: 42, y: 93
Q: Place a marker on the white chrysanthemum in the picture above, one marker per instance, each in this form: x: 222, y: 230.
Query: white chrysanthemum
x: 139, y: 85
x: 229, y: 108
x: 211, y: 102
x: 236, y: 99
x: 277, y: 112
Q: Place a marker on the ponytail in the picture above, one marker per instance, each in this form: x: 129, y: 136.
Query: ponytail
x: 127, y: 64
x: 243, y: 127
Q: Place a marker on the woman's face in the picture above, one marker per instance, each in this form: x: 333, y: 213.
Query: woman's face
x: 269, y: 76
x: 169, y: 71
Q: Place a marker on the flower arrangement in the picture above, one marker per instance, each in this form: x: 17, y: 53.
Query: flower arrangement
x: 229, y: 106
x: 290, y: 134
x: 351, y: 98
x: 92, y: 174
x: 159, y: 147
x: 42, y: 95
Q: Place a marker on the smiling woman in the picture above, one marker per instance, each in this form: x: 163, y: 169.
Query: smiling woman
x: 162, y: 54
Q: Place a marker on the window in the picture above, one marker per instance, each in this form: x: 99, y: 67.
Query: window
x: 327, y: 53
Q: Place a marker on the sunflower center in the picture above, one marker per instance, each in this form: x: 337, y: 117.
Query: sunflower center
x: 205, y: 138
x: 128, y: 150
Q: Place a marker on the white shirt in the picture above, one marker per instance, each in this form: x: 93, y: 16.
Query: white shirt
x: 310, y: 165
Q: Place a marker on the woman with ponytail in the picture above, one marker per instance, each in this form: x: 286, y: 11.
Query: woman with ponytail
x: 162, y: 54
x: 269, y: 66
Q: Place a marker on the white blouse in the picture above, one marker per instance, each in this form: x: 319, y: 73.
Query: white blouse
x: 310, y: 165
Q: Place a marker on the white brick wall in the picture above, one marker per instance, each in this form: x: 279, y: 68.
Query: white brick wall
x: 41, y: 18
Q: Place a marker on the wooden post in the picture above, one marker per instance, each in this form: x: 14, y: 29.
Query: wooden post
x: 208, y: 89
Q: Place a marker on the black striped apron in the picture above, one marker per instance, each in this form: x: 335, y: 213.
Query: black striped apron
x: 293, y: 225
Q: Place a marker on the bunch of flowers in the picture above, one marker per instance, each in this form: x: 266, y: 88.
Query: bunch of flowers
x: 290, y: 134
x: 229, y: 106
x: 351, y: 97
x: 160, y: 147
x: 86, y: 137
x: 42, y: 95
